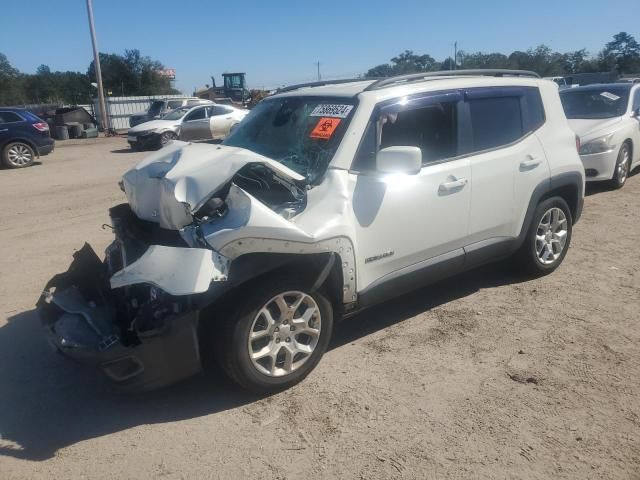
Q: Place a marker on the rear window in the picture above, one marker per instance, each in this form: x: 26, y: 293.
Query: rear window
x: 9, y: 117
x: 495, y: 121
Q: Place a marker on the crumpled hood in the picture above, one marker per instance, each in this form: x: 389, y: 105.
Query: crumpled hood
x: 587, y: 128
x: 171, y: 184
x: 153, y: 125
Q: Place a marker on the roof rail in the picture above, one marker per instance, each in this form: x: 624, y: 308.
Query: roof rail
x: 321, y: 84
x: 417, y: 77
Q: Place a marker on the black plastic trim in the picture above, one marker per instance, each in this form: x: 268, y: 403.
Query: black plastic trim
x: 412, y: 277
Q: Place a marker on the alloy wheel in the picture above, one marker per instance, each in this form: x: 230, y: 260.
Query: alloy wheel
x: 622, y: 167
x: 284, y: 333
x: 19, y: 155
x: 551, y: 236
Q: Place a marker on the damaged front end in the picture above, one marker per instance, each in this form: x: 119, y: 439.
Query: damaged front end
x: 130, y: 315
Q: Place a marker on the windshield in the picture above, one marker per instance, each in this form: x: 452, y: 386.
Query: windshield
x: 156, y: 107
x: 605, y: 102
x: 176, y: 114
x: 302, y: 133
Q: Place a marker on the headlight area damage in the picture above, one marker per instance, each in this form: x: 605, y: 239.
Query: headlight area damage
x: 194, y: 229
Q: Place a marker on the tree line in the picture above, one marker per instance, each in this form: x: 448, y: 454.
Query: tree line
x: 128, y: 74
x: 620, y: 55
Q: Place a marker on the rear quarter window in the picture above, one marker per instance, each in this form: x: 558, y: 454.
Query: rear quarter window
x: 533, y: 113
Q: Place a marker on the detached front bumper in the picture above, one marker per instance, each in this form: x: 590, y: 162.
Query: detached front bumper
x: 139, y: 348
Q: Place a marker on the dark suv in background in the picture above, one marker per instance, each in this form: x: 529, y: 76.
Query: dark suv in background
x: 23, y: 137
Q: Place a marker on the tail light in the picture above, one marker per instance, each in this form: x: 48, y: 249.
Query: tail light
x: 41, y: 126
x: 578, y: 143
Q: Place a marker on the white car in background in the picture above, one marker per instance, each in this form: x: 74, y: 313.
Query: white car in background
x: 606, y: 117
x: 205, y: 122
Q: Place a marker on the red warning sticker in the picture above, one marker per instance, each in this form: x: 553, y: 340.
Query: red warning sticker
x: 325, y: 128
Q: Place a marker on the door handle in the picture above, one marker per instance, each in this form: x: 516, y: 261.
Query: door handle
x: 227, y: 118
x: 452, y: 184
x: 530, y: 163
x: 4, y: 130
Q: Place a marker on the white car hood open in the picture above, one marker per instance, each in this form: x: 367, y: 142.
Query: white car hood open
x: 586, y: 128
x: 174, y: 182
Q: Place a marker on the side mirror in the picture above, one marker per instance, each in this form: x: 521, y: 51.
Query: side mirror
x: 399, y: 160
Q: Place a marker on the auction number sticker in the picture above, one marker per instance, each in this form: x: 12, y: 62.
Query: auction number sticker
x: 331, y: 110
x: 325, y: 128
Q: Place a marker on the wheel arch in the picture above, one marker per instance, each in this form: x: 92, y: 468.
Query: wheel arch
x: 569, y: 186
x: 20, y: 140
x: 323, y: 271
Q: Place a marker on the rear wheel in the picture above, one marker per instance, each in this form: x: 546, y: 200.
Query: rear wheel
x: 276, y: 337
x: 548, y: 238
x: 623, y: 163
x: 17, y: 155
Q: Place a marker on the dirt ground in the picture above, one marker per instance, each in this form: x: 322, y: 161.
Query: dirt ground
x: 486, y: 375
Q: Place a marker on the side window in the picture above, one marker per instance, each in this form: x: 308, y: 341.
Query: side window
x: 173, y: 104
x: 432, y: 128
x: 495, y: 121
x: 198, y: 114
x: 217, y: 110
x: 9, y: 117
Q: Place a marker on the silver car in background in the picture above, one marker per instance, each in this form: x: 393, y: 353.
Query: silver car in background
x: 208, y: 122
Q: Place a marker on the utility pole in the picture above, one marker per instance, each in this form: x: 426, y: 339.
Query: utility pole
x: 318, y: 65
x: 455, y: 55
x: 96, y: 64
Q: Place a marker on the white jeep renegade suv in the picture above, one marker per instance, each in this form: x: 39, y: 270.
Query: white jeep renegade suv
x: 327, y: 199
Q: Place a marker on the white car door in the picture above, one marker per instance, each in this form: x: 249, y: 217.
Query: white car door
x: 507, y: 159
x: 403, y: 221
x: 220, y: 120
x: 195, y: 125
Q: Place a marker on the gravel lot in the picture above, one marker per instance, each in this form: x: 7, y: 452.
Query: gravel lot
x: 487, y: 375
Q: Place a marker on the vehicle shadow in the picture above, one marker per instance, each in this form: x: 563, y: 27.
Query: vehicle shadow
x: 125, y: 150
x: 593, y: 188
x: 47, y: 402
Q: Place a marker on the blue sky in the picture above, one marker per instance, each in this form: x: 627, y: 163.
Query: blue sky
x: 277, y: 42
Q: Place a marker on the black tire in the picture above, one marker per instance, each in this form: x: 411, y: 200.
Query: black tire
x: 166, y: 137
x: 527, y: 258
x: 622, y: 168
x: 17, y: 155
x: 230, y: 336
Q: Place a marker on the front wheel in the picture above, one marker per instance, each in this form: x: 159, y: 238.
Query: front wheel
x: 276, y: 337
x: 623, y: 164
x: 547, y: 239
x: 167, y: 137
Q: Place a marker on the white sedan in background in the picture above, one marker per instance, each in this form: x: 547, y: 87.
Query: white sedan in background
x: 205, y: 122
x: 606, y: 117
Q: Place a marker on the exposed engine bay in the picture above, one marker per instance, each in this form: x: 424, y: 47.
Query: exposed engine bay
x: 286, y: 198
